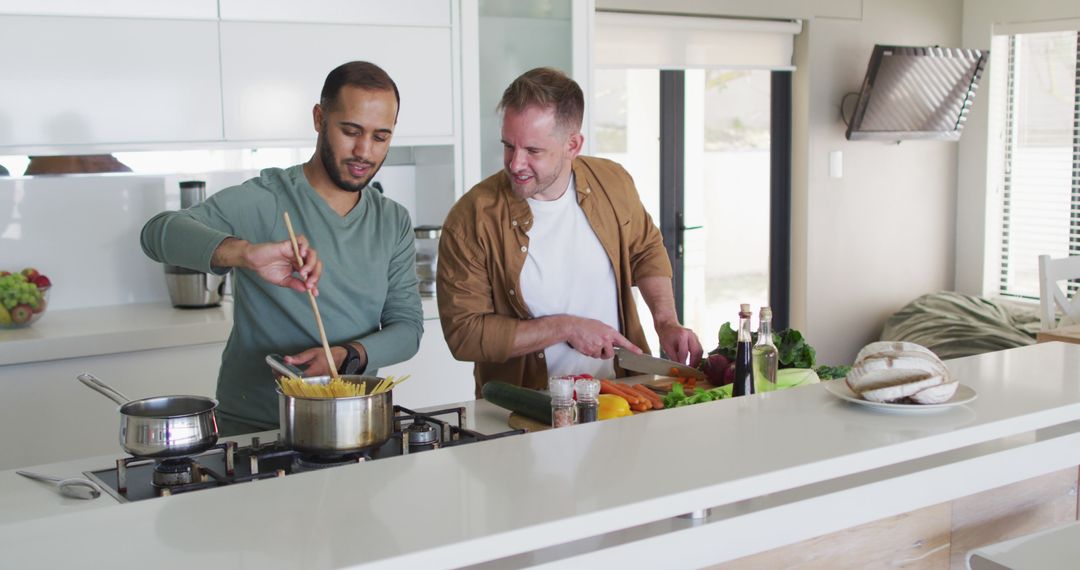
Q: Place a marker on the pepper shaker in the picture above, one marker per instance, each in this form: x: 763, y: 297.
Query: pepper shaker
x: 563, y: 412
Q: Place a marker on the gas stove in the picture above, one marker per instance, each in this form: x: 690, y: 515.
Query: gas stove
x: 137, y: 479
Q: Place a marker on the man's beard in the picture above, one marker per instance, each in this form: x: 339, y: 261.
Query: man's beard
x: 329, y: 161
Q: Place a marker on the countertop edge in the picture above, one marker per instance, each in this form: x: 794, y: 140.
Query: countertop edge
x: 97, y: 331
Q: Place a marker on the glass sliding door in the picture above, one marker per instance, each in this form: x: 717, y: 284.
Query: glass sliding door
x: 713, y: 199
x: 726, y: 193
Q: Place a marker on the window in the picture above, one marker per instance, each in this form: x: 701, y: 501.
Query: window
x: 1040, y: 188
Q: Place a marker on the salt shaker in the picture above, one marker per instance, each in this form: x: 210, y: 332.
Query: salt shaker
x: 587, y: 403
x: 563, y: 412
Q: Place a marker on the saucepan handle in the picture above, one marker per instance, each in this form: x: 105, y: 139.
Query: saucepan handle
x: 102, y: 388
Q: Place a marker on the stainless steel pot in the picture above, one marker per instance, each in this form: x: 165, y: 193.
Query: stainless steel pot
x: 336, y: 426
x: 166, y: 426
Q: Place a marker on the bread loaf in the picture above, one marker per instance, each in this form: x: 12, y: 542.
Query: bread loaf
x: 895, y: 371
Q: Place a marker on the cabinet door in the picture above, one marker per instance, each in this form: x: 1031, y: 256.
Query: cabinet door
x: 275, y: 72
x: 367, y: 12
x: 96, y: 81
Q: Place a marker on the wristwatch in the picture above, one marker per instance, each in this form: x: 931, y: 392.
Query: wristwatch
x: 352, y: 363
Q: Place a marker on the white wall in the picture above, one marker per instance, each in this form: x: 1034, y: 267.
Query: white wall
x: 883, y: 234
x: 978, y: 186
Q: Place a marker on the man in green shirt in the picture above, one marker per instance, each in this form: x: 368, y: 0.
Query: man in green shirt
x: 368, y: 295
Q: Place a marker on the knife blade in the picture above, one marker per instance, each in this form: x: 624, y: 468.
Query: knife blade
x: 653, y: 365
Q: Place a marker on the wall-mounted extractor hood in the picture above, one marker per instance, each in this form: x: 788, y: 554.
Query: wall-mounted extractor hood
x: 916, y: 93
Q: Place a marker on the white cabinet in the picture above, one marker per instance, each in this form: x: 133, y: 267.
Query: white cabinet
x: 188, y: 9
x: 436, y: 378
x: 273, y: 74
x: 368, y: 12
x: 98, y: 81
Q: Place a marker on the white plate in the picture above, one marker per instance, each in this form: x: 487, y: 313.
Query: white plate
x: 839, y: 388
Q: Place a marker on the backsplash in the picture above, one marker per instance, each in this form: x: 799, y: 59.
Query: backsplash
x: 83, y: 230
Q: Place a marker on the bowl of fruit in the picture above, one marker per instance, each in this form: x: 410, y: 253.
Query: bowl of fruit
x: 23, y: 297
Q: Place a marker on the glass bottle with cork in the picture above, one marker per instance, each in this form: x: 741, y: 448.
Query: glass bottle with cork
x: 764, y: 356
x: 744, y: 372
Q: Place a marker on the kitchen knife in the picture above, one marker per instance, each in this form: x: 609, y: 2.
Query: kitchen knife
x: 652, y: 365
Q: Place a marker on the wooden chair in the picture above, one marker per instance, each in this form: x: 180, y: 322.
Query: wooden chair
x: 1052, y: 297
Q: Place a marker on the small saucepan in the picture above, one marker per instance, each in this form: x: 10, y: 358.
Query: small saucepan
x: 161, y: 427
x: 334, y: 426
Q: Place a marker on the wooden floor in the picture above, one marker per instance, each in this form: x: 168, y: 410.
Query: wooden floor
x: 937, y: 537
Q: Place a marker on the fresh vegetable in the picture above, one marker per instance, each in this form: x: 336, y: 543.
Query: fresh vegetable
x: 677, y: 397
x: 612, y: 406
x: 715, y: 369
x: 786, y: 378
x: 654, y: 400
x: 638, y: 403
x: 832, y: 372
x: 531, y: 403
x: 792, y: 349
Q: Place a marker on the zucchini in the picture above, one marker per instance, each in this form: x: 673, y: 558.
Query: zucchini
x: 529, y: 403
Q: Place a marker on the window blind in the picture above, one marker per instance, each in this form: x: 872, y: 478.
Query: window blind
x: 683, y: 42
x: 1041, y: 188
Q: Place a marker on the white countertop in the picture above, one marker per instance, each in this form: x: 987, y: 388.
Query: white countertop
x: 468, y: 504
x: 112, y: 329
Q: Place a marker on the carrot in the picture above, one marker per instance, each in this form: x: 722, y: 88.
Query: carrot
x: 640, y: 407
x: 619, y: 390
x: 650, y: 396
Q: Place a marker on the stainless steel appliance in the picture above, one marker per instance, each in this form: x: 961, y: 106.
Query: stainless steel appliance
x: 136, y: 479
x: 427, y: 257
x: 190, y: 289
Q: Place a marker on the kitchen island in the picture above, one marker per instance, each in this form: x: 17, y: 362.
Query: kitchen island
x: 759, y: 472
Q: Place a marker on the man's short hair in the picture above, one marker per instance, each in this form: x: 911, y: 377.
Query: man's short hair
x: 362, y: 74
x: 547, y: 87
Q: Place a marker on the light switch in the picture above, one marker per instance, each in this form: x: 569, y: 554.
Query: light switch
x: 836, y: 164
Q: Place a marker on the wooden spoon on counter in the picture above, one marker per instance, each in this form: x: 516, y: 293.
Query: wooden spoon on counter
x: 314, y: 305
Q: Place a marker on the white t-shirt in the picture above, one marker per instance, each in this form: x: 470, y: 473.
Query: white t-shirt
x: 567, y: 271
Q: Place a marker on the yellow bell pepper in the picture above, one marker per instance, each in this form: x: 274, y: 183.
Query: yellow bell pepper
x: 612, y: 406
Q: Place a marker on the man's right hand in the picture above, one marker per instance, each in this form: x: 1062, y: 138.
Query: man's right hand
x: 595, y: 339
x: 274, y: 262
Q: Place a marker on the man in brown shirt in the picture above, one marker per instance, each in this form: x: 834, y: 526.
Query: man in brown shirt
x: 535, y: 280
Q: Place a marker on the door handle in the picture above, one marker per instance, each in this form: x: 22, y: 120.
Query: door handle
x: 688, y: 228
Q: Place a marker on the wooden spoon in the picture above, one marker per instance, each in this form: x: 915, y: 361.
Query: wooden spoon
x: 314, y: 305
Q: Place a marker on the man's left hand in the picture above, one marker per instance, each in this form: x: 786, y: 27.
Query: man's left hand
x: 679, y: 343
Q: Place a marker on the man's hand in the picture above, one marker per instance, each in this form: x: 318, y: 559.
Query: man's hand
x: 274, y: 262
x: 313, y: 360
x: 595, y: 339
x: 679, y: 343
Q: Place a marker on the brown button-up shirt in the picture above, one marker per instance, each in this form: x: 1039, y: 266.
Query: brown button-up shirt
x: 483, y: 247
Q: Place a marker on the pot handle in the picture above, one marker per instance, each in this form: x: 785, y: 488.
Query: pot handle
x: 102, y: 388
x: 281, y: 367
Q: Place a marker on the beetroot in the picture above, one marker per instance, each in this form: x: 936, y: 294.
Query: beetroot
x: 715, y: 367
x: 729, y: 374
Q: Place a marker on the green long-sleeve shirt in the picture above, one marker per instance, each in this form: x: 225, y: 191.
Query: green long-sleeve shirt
x: 367, y: 293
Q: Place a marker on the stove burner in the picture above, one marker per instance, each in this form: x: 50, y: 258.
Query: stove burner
x: 172, y: 472
x: 315, y: 462
x: 137, y: 479
x: 422, y: 433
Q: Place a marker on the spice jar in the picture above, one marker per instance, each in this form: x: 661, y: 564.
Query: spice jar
x: 587, y: 390
x: 563, y: 411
